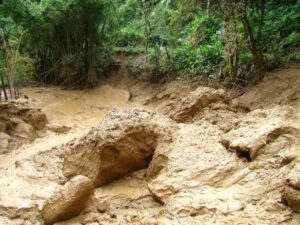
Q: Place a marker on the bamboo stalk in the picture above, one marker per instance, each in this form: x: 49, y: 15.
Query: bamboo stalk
x: 3, y: 87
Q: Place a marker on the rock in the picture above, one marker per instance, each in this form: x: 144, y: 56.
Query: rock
x: 256, y: 130
x: 197, y: 178
x: 62, y: 180
x: 4, y: 124
x: 157, y: 164
x: 188, y: 107
x: 192, y: 160
x: 59, y: 129
x: 22, y: 130
x: 23, y: 212
x: 291, y: 193
x: 4, y: 140
x: 35, y: 118
x: 149, y: 221
x: 122, y: 143
x: 9, y: 107
x: 68, y: 201
x: 20, y: 122
x: 292, y: 198
x: 200, y: 201
x: 293, y: 179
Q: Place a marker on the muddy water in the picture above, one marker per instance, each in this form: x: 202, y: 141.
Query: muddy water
x: 79, y: 109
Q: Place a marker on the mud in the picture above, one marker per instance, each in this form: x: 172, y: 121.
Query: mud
x: 79, y: 109
x: 160, y: 155
x: 19, y: 124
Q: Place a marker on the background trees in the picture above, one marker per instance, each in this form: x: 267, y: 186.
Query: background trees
x: 68, y: 40
x: 71, y: 42
x: 232, y: 39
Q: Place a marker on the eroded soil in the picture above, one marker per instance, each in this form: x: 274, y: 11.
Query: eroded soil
x: 159, y: 154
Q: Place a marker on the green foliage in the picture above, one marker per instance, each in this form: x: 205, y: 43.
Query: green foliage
x: 282, y: 34
x: 64, y: 37
x: 178, y: 46
x: 71, y: 42
x: 130, y: 35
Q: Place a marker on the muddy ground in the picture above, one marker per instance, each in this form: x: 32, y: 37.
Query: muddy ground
x: 128, y: 152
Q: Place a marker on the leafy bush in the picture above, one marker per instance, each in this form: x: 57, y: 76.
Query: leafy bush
x: 130, y: 35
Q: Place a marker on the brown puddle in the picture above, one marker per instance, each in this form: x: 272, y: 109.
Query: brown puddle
x: 78, y: 108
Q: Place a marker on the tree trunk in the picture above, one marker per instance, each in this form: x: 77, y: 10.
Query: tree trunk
x: 147, y: 25
x: 233, y: 62
x: 230, y: 9
x: 9, y: 68
x: 208, y: 8
x: 3, y: 87
x: 91, y: 63
x: 255, y: 45
x: 10, y: 76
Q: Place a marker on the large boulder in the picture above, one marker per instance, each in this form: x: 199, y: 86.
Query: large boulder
x: 257, y: 129
x: 68, y: 201
x: 22, y: 130
x: 193, y: 160
x: 198, y: 177
x: 20, y: 122
x: 122, y: 143
x: 188, y: 107
x: 36, y: 118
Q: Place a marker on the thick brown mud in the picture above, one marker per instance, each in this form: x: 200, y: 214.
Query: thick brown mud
x: 158, y: 155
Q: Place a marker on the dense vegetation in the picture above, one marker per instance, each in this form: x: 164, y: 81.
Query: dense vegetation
x: 72, y: 42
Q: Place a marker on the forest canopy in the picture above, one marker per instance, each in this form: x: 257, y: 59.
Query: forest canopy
x: 73, y: 42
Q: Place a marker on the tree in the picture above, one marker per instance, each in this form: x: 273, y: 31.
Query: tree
x: 68, y: 39
x: 234, y: 12
x: 255, y: 41
x: 9, y: 55
x: 231, y: 13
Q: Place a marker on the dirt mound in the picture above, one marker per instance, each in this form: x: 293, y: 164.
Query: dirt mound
x: 291, y: 193
x: 68, y: 201
x: 279, y: 87
x: 19, y: 124
x: 122, y: 143
x: 198, y: 106
x: 187, y: 174
x: 257, y: 129
x: 185, y: 182
x: 187, y: 108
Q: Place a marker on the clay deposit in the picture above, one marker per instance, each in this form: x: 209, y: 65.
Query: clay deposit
x: 155, y: 155
x: 19, y: 124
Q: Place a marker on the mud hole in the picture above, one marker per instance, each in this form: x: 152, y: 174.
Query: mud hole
x: 129, y: 152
